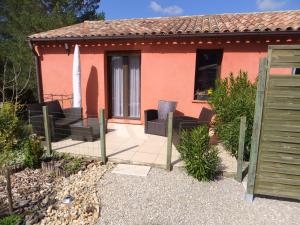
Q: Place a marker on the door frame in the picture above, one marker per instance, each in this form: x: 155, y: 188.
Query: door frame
x: 109, y: 54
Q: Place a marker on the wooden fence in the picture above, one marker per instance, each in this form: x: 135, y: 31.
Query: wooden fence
x: 275, y: 155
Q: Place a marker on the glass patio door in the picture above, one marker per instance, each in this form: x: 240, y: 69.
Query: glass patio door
x: 125, y: 86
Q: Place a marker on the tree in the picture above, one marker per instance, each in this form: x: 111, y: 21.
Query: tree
x: 10, y: 88
x: 20, y: 18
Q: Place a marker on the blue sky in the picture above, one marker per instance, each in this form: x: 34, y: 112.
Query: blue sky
x: 119, y: 9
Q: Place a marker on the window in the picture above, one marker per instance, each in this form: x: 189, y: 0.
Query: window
x: 296, y: 71
x: 208, y: 63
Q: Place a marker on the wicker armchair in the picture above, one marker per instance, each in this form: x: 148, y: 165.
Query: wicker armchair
x: 181, y: 123
x: 187, y: 122
x: 156, y: 120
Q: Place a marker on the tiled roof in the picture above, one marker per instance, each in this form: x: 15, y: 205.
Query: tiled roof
x: 180, y: 25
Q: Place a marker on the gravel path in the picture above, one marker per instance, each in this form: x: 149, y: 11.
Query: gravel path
x: 167, y: 198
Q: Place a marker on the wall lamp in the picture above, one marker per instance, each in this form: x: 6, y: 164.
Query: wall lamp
x: 67, y: 48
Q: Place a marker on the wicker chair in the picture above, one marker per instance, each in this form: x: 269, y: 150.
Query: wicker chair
x: 156, y: 120
x: 181, y: 123
x: 187, y: 122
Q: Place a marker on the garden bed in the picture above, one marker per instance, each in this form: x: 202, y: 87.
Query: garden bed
x: 37, y: 193
x: 64, y: 165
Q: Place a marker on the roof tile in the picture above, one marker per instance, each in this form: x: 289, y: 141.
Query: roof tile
x: 222, y: 23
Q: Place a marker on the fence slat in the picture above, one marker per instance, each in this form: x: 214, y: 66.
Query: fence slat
x: 170, y: 138
x: 47, y: 129
x: 260, y: 94
x: 239, y: 172
x: 102, y: 136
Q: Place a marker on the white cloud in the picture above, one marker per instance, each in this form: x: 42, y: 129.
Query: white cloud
x: 170, y: 10
x: 266, y: 5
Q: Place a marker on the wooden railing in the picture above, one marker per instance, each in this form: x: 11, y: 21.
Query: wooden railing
x: 65, y: 100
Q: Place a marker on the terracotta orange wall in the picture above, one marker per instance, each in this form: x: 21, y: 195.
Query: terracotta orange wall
x: 167, y: 70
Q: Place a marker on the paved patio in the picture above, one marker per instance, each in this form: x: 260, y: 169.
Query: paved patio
x: 126, y: 143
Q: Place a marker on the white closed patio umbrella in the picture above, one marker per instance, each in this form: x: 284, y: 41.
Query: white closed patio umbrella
x: 76, y: 78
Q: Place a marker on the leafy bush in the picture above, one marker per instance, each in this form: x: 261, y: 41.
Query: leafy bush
x: 9, y: 123
x: 8, y: 126
x: 234, y: 97
x: 33, y: 152
x: 201, y: 160
x: 11, y: 220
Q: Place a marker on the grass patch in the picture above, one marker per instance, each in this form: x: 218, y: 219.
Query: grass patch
x: 11, y: 220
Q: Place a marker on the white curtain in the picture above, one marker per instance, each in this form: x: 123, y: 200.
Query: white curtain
x: 134, y: 86
x: 117, y: 85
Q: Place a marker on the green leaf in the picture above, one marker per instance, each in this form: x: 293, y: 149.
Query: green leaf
x: 201, y: 160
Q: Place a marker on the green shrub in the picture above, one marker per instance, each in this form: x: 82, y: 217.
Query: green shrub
x: 8, y: 126
x: 33, y: 152
x: 9, y: 123
x: 73, y: 165
x: 201, y: 160
x: 13, y: 132
x: 11, y: 220
x: 234, y: 97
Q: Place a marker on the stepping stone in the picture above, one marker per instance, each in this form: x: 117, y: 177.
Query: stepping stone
x: 133, y: 170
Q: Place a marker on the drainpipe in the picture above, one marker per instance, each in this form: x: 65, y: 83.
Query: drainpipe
x: 37, y: 72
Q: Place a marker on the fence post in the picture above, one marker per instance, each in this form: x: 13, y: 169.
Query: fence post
x: 170, y: 138
x: 47, y: 129
x: 102, y: 136
x: 239, y: 172
x: 8, y: 189
x: 259, y: 102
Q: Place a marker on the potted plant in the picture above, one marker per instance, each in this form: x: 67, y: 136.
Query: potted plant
x: 203, y: 95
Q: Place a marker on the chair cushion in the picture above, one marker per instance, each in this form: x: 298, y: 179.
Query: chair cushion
x: 55, y: 109
x: 164, y: 107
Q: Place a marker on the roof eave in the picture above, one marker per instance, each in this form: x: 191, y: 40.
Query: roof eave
x: 147, y: 36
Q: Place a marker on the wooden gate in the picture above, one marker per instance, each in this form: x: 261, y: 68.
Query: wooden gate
x: 278, y: 160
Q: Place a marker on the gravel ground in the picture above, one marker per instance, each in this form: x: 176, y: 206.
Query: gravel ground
x: 167, y: 198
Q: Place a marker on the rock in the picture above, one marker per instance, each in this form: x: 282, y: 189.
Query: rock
x: 46, y: 200
x: 32, y: 219
x: 49, y: 210
x: 23, y: 203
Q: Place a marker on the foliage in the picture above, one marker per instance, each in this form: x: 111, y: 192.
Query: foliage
x: 70, y: 164
x: 13, y: 132
x: 9, y: 123
x: 73, y: 165
x: 33, y: 152
x: 234, y: 97
x: 11, y: 220
x: 20, y: 18
x: 201, y: 159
